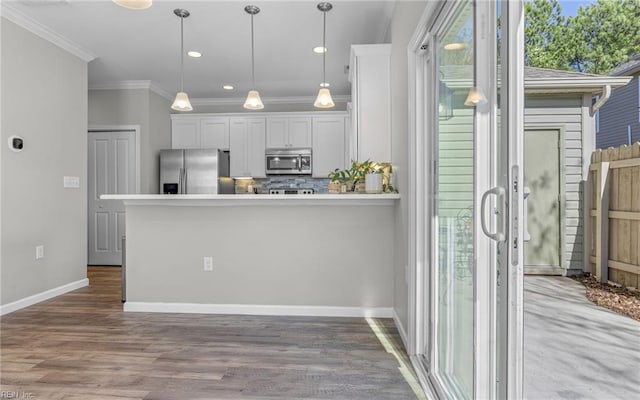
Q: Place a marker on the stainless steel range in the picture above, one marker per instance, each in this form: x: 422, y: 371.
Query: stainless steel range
x: 290, y: 191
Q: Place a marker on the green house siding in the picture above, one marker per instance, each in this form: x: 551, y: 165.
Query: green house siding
x: 455, y: 150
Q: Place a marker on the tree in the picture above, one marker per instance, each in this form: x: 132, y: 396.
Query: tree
x: 604, y: 35
x: 601, y: 36
x: 545, y: 30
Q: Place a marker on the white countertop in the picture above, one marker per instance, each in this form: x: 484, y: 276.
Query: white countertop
x: 351, y: 199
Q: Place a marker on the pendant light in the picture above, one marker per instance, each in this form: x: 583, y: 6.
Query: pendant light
x: 253, y: 101
x: 134, y: 4
x: 475, y: 97
x: 181, y: 103
x: 324, y: 99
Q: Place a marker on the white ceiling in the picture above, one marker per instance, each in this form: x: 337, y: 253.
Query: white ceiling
x: 144, y: 45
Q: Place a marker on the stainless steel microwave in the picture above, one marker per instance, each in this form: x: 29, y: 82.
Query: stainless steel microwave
x: 288, y: 161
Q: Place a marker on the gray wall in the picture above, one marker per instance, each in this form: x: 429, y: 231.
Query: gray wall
x: 622, y: 110
x: 403, y: 23
x: 136, y: 107
x: 44, y: 89
x: 158, y: 138
x: 565, y: 112
x: 262, y: 255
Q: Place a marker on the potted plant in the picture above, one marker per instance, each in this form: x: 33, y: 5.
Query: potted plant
x: 359, y: 171
x: 339, y: 181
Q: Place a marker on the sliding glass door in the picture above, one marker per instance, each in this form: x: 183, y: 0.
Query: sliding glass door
x: 454, y: 169
x: 468, y: 257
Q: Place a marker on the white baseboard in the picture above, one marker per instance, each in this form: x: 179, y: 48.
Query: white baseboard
x: 251, y: 309
x: 46, y: 295
x: 400, y: 327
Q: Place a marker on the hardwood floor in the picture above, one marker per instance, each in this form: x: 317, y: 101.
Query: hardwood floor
x: 82, y: 346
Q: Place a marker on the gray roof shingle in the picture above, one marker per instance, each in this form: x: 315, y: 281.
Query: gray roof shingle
x: 631, y: 67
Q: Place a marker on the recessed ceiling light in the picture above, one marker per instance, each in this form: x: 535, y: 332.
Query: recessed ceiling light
x: 455, y: 46
x: 132, y: 4
x: 319, y: 49
x: 228, y: 87
x: 194, y: 54
x: 325, y: 84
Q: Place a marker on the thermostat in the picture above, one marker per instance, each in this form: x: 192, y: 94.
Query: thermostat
x: 16, y: 143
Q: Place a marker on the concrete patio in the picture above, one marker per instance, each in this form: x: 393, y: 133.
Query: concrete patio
x: 575, y: 349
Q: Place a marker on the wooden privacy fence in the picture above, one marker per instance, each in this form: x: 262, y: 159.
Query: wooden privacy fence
x: 613, y: 198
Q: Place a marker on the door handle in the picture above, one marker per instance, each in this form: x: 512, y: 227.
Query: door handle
x: 525, y: 228
x: 100, y: 206
x: 498, y: 191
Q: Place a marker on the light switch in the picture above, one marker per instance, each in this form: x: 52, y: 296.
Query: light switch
x: 71, y: 181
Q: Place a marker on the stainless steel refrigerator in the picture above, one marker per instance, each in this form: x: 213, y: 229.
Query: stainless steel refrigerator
x: 195, y: 171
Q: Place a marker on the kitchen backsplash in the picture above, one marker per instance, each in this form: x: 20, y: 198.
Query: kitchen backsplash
x: 263, y: 185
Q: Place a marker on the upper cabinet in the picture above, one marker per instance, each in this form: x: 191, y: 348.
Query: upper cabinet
x: 246, y: 147
x: 329, y: 145
x: 185, y: 134
x: 369, y: 74
x: 214, y: 133
x: 247, y: 136
x: 200, y: 133
x: 283, y: 132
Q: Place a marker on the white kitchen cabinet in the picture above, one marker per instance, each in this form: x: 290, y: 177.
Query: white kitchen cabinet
x: 214, y: 133
x: 247, y: 141
x: 369, y: 73
x: 185, y: 134
x: 200, y: 133
x: 284, y: 132
x: 329, y: 145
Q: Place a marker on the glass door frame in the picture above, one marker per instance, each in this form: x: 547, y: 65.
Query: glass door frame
x: 497, y: 324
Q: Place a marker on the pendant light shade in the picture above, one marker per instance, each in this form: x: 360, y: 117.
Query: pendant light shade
x: 324, y: 99
x: 475, y: 97
x: 181, y: 103
x: 134, y: 4
x: 253, y: 101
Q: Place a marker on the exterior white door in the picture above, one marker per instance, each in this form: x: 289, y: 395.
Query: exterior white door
x: 112, y: 170
x: 542, y: 177
x: 467, y: 203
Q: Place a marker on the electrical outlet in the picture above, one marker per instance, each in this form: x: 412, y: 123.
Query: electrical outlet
x: 208, y: 263
x: 39, y: 252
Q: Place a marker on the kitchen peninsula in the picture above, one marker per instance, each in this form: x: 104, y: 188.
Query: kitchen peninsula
x: 320, y: 254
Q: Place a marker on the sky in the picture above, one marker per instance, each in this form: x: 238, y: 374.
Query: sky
x: 570, y: 7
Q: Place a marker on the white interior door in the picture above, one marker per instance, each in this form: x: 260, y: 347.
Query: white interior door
x: 112, y: 170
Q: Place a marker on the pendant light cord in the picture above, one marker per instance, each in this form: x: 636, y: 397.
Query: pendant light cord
x: 253, y: 68
x: 181, y: 53
x: 324, y: 48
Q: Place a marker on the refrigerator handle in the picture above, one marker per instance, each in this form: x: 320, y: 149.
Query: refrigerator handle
x: 181, y: 181
x: 186, y: 171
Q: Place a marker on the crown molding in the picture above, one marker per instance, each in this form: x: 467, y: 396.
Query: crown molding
x: 202, y: 101
x: 118, y: 85
x: 269, y: 100
x: 42, y: 31
x: 155, y: 88
x: 130, y: 85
